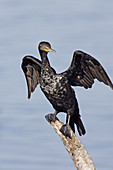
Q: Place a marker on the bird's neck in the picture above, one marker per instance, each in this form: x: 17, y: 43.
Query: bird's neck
x: 44, y: 58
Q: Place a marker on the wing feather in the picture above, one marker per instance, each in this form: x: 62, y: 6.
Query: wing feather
x: 31, y: 68
x: 84, y: 69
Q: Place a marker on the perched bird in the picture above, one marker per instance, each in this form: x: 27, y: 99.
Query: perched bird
x: 57, y: 87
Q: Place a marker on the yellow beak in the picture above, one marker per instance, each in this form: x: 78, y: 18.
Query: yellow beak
x: 47, y: 49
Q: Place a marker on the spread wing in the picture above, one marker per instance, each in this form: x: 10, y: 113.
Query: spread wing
x: 84, y: 69
x: 31, y: 68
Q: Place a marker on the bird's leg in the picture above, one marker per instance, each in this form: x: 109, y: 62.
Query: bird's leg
x: 65, y: 129
x: 51, y: 117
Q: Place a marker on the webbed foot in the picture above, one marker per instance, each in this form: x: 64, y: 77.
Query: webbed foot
x: 65, y: 129
x: 51, y: 117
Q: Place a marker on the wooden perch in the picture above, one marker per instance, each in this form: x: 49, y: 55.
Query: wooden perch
x: 74, y: 147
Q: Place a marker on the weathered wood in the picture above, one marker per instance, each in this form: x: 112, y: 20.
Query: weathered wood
x: 74, y: 147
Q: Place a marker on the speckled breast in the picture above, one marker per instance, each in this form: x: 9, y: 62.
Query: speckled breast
x: 50, y: 84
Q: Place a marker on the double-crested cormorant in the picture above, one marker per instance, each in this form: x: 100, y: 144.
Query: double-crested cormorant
x: 57, y: 87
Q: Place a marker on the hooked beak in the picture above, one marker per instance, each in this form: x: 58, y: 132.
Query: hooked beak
x: 47, y: 49
x: 51, y: 50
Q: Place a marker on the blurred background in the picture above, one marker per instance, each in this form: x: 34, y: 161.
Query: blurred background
x: 27, y: 142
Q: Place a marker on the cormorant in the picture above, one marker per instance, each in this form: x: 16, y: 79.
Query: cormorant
x: 57, y: 87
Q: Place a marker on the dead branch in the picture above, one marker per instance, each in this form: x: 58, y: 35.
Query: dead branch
x: 74, y: 147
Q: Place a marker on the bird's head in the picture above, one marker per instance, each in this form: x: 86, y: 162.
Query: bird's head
x: 45, y: 47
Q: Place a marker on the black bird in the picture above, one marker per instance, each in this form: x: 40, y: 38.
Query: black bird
x: 57, y: 87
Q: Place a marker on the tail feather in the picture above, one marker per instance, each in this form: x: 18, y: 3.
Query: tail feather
x: 79, y: 124
x: 80, y: 127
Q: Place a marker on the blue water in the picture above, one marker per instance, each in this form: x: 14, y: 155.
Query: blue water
x: 27, y: 142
